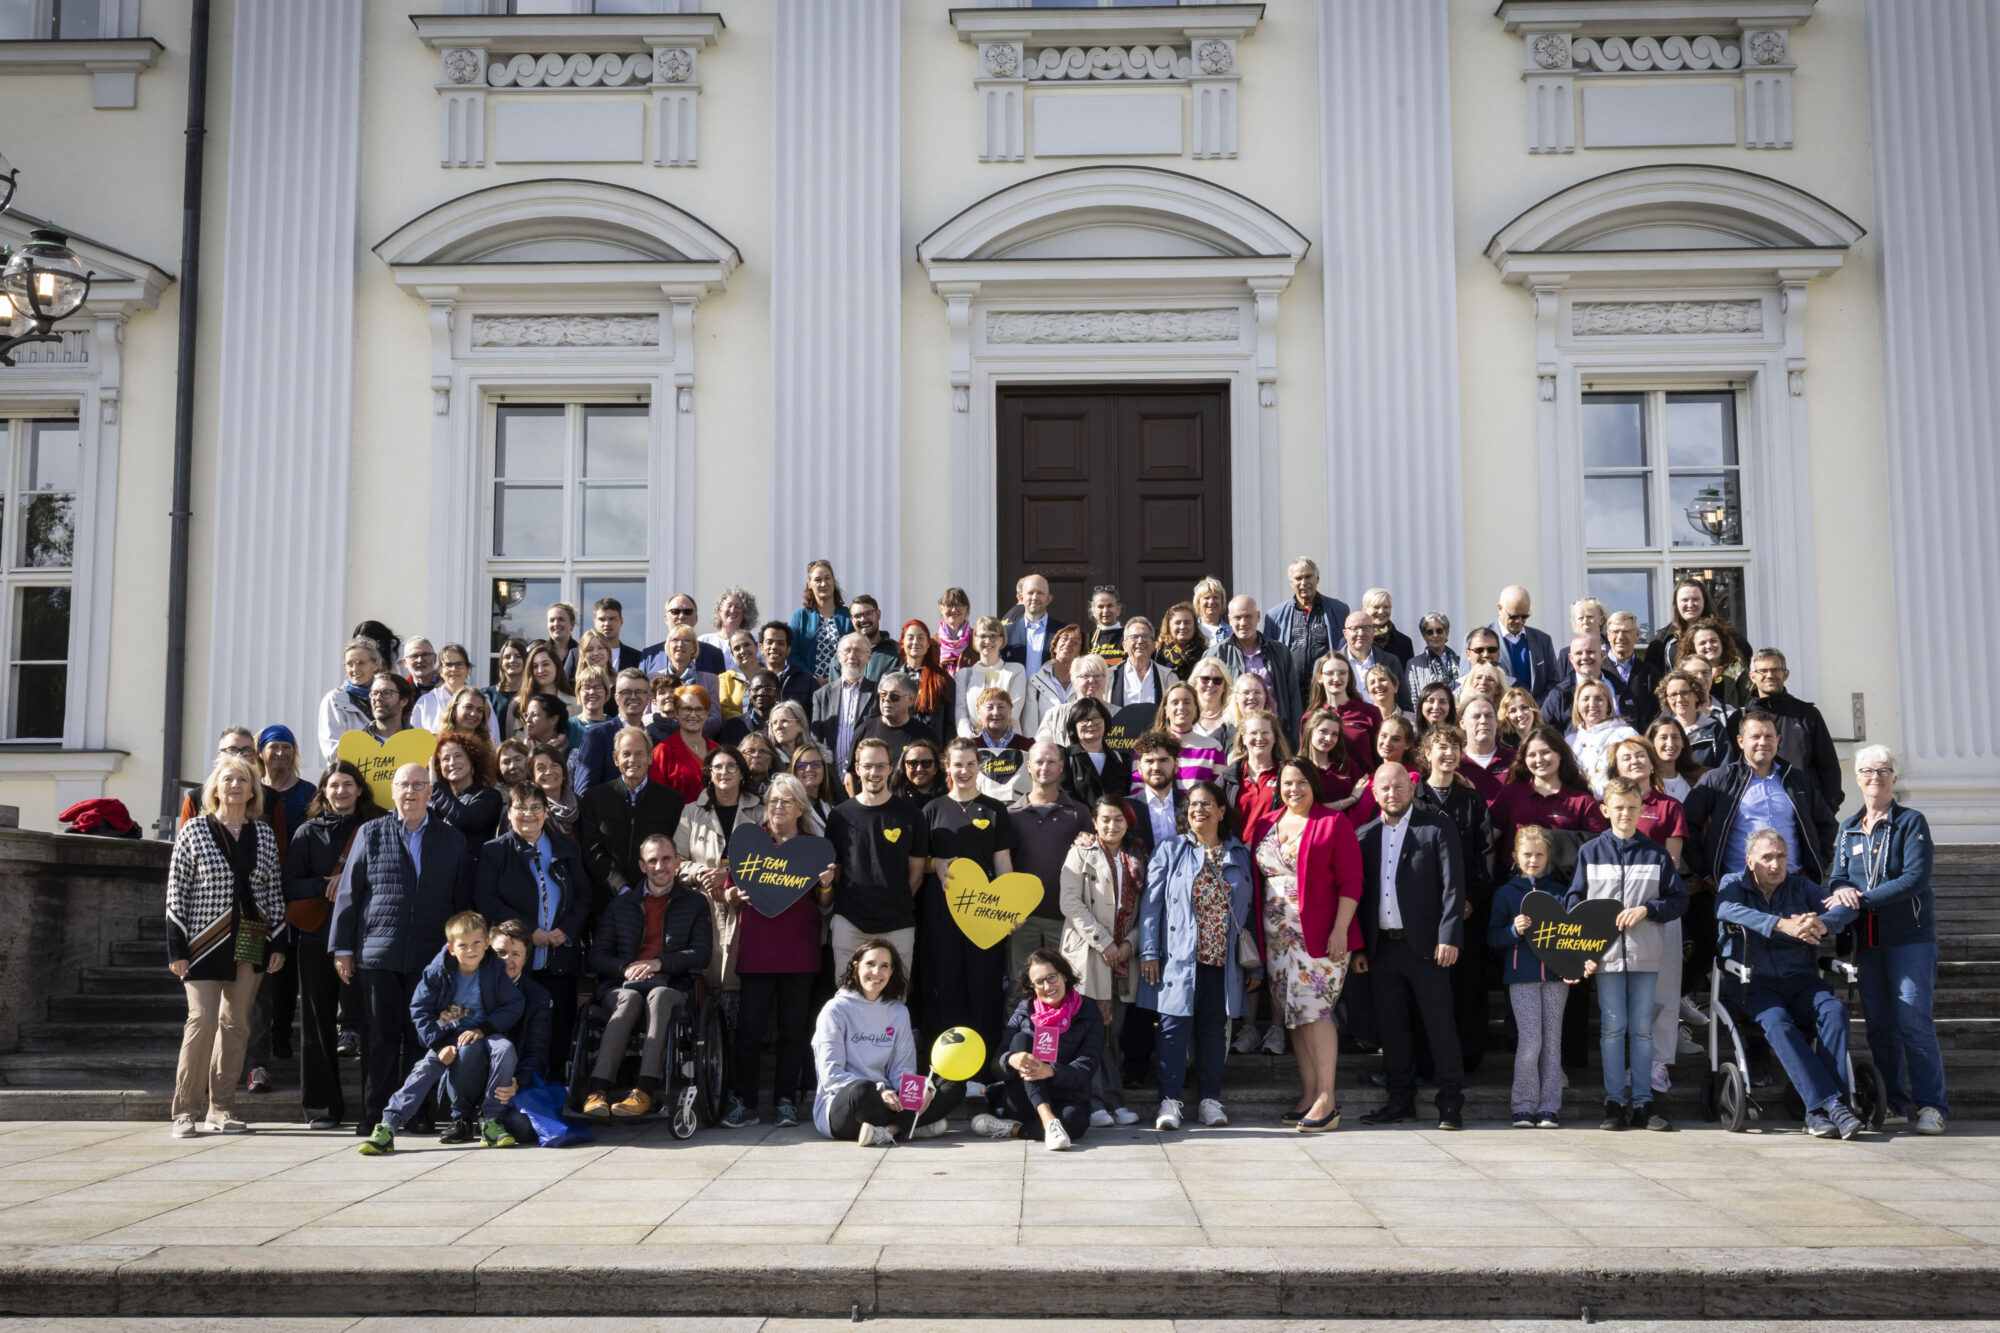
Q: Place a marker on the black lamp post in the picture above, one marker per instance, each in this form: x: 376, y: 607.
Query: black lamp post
x: 45, y: 282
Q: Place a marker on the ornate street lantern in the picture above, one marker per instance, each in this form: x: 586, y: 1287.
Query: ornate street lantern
x: 44, y: 282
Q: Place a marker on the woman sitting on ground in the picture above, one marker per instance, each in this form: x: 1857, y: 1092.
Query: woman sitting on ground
x: 1034, y: 1097
x: 862, y: 1048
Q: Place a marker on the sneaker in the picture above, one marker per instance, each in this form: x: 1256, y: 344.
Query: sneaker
x: 458, y: 1131
x: 1246, y: 1037
x: 1274, y: 1039
x: 1645, y: 1117
x: 739, y: 1116
x: 935, y: 1129
x: 183, y: 1127
x: 1614, y: 1116
x: 227, y: 1123
x: 1451, y: 1120
x: 1819, y: 1126
x: 993, y: 1127
x: 1211, y: 1113
x: 1548, y: 1122
x: 1662, y: 1081
x: 322, y: 1121
x: 786, y: 1115
x: 1125, y: 1115
x: 1691, y: 1013
x: 873, y: 1136
x: 1524, y: 1122
x: 1930, y: 1120
x: 1687, y: 1045
x: 379, y: 1143
x: 1054, y: 1137
x: 1845, y: 1122
x: 1100, y: 1119
x: 257, y: 1080
x: 349, y: 1047
x: 1169, y: 1116
x: 1895, y: 1120
x: 640, y: 1102
x: 493, y: 1134
x: 597, y: 1106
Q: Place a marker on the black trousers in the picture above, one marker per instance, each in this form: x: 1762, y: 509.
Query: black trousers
x: 1141, y: 1036
x: 787, y: 996
x: 319, y: 988
x: 561, y: 987
x: 1408, y: 983
x: 860, y: 1104
x: 389, y: 1045
x: 1015, y: 1098
x: 1468, y: 998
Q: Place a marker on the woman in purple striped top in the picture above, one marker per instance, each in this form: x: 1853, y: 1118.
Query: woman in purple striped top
x: 1202, y: 755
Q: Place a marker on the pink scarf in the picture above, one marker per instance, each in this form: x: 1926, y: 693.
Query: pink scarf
x: 1057, y: 1019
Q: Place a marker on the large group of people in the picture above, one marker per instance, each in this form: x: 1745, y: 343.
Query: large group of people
x: 1293, y: 822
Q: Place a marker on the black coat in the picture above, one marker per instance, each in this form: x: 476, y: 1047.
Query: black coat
x: 1711, y: 808
x: 476, y: 815
x: 687, y: 938
x: 1078, y: 1050
x: 313, y: 856
x: 1805, y: 743
x: 504, y: 889
x: 1082, y: 780
x: 1430, y: 882
x: 1467, y: 812
x: 611, y: 828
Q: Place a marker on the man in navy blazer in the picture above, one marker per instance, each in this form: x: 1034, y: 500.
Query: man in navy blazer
x: 1028, y: 638
x: 1412, y: 922
x: 1528, y: 654
x: 1309, y: 624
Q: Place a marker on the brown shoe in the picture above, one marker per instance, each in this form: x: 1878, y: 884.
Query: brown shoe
x: 638, y: 1103
x: 597, y: 1106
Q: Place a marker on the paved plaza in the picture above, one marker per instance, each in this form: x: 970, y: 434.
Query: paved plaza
x: 103, y: 1219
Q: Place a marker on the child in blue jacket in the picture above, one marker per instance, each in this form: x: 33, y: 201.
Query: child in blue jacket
x: 1538, y: 995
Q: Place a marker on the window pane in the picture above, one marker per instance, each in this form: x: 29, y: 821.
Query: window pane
x: 1706, y: 509
x: 1725, y: 591
x: 1614, y: 513
x: 41, y: 626
x: 529, y: 444
x: 78, y: 20
x: 520, y: 611
x: 631, y: 594
x: 48, y: 531
x: 17, y: 21
x: 614, y: 522
x: 527, y: 522
x: 541, y: 6
x: 1626, y: 590
x: 53, y: 460
x: 39, y: 693
x: 1701, y: 430
x: 1613, y: 430
x: 614, y: 443
x: 626, y: 7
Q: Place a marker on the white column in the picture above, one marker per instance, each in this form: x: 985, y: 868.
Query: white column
x: 285, y: 312
x: 836, y: 326
x: 1933, y: 108
x: 1392, y: 424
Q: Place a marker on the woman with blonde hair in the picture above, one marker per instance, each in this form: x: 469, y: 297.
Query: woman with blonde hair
x: 1594, y: 729
x: 1482, y: 678
x: 1519, y: 716
x: 1211, y: 608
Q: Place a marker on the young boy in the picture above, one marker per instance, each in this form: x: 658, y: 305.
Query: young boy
x: 1538, y: 995
x: 462, y: 1001
x: 1107, y: 635
x: 1627, y: 867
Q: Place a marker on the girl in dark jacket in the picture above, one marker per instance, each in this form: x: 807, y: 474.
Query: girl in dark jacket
x: 535, y: 874
x: 313, y: 861
x: 1049, y: 1052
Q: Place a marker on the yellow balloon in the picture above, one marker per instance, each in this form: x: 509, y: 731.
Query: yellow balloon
x: 958, y: 1054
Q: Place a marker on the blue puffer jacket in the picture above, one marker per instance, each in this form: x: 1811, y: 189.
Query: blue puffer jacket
x: 388, y: 915
x: 1518, y: 963
x: 1892, y: 869
x: 499, y: 999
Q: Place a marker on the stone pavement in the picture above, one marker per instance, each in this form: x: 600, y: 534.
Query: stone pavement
x: 120, y: 1219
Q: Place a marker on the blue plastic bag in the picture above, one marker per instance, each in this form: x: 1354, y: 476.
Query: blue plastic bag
x: 542, y: 1102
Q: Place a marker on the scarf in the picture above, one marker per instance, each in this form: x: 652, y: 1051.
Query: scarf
x: 1057, y: 1018
x: 1130, y: 875
x: 359, y: 693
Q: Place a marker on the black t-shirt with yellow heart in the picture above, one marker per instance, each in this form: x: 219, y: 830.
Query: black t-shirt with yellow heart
x: 874, y: 846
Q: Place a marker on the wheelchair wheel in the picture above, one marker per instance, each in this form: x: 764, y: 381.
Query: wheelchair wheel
x: 1732, y: 1098
x: 1711, y: 1107
x: 580, y: 1054
x: 1870, y: 1096
x: 711, y: 1063
x: 685, y: 1118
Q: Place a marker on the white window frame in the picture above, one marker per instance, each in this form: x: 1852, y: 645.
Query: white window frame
x: 113, y: 59
x: 15, y: 579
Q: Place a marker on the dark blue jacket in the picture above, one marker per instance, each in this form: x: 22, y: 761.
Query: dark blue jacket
x: 1077, y: 1051
x: 388, y: 915
x: 505, y: 888
x: 1898, y: 891
x: 1711, y: 809
x: 1773, y: 956
x: 532, y: 1031
x: 1632, y: 872
x: 1545, y: 667
x: 590, y: 761
x: 1518, y: 963
x: 499, y: 998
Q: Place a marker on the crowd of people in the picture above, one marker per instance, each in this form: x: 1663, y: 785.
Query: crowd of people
x: 1293, y: 822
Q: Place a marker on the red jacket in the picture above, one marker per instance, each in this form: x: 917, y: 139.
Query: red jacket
x: 1329, y: 869
x: 678, y: 767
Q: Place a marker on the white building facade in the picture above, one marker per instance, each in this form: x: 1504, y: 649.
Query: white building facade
x: 508, y: 300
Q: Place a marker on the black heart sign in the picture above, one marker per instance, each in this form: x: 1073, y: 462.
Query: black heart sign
x: 775, y: 877
x: 1565, y: 941
x: 1128, y: 724
x: 1001, y: 767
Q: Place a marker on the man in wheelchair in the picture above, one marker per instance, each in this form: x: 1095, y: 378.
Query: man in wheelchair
x: 1782, y: 919
x: 647, y: 948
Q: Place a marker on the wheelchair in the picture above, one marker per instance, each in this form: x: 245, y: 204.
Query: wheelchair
x: 1727, y: 1094
x: 697, y: 1071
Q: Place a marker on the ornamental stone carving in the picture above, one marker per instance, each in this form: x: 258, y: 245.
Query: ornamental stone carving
x: 1106, y: 63
x: 1615, y: 55
x: 1767, y: 47
x: 463, y: 66
x: 1112, y: 326
x: 1551, y: 50
x: 565, y: 331
x: 1600, y: 319
x: 1214, y: 57
x: 1001, y: 60
x: 577, y: 71
x: 674, y: 65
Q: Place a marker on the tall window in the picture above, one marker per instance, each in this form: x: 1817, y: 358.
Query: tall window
x: 46, y: 20
x: 567, y: 520
x: 1663, y: 500
x: 43, y: 460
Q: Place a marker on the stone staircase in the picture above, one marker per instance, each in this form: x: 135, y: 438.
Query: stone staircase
x: 107, y: 1049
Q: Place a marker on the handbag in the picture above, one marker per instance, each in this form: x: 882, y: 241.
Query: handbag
x: 542, y: 1102
x: 310, y: 915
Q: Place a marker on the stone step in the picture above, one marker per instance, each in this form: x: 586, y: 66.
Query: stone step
x: 119, y: 1008
x: 152, y: 926
x: 129, y: 980
x: 139, y: 953
x: 1968, y: 944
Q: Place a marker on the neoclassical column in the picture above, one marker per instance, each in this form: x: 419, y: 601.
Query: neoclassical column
x: 1933, y: 106
x: 279, y: 513
x: 1392, y: 425
x: 836, y: 325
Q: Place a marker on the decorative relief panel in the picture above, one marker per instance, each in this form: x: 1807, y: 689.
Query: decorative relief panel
x: 1614, y: 318
x: 576, y: 71
x: 1106, y: 63
x: 1615, y: 55
x: 1113, y: 326
x: 565, y: 331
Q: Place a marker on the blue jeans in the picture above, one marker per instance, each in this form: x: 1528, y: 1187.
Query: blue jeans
x: 1896, y: 985
x: 1625, y: 1019
x: 469, y: 1079
x: 1790, y: 1009
x: 1206, y: 1029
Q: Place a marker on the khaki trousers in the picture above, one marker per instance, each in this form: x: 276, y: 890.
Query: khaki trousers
x: 218, y: 1029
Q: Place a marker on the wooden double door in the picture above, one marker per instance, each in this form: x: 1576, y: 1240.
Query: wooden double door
x: 1125, y: 486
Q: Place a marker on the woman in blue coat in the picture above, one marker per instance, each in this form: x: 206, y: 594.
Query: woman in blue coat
x: 534, y: 874
x: 1199, y: 900
x: 818, y: 626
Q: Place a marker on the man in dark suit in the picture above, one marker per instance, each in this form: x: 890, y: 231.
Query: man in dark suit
x: 1158, y: 806
x: 842, y: 705
x: 607, y: 617
x: 1412, y: 919
x: 1028, y: 637
x: 617, y: 816
x: 1527, y: 653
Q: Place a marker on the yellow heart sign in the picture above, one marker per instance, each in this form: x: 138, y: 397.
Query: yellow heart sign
x: 982, y: 823
x: 988, y: 909
x: 379, y: 760
x: 893, y: 834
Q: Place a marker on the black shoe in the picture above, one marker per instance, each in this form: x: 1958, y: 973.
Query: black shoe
x: 1645, y: 1117
x: 1614, y: 1116
x: 365, y: 1125
x: 423, y: 1124
x: 459, y: 1131
x: 1391, y: 1114
x: 1451, y: 1120
x: 281, y: 1045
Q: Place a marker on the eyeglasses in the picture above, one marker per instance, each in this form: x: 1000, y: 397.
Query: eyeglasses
x: 1865, y: 773
x: 240, y: 751
x: 805, y: 765
x: 680, y: 610
x: 1045, y: 983
x: 1484, y: 650
x: 920, y: 763
x: 1111, y: 588
x: 1207, y: 683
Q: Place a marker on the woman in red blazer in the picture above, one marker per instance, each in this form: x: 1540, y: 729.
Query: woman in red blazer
x: 1309, y: 864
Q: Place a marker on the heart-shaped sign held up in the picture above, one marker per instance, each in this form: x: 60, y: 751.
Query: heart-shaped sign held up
x: 1003, y: 774
x: 378, y: 760
x: 1565, y: 941
x: 988, y: 909
x: 1128, y: 724
x: 775, y: 877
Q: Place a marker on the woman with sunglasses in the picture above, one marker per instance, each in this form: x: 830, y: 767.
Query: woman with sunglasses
x: 809, y: 766
x: 1212, y: 682
x: 919, y: 776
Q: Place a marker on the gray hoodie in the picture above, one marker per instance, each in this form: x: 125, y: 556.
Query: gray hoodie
x: 858, y: 1040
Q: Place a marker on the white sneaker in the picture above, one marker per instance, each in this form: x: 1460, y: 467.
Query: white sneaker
x: 1662, y: 1081
x: 1169, y: 1116
x: 1246, y: 1037
x: 228, y: 1124
x: 1274, y: 1039
x: 876, y: 1136
x: 1211, y: 1113
x: 1687, y: 1045
x: 1054, y: 1137
x: 1100, y: 1119
x: 934, y: 1129
x: 183, y: 1127
x: 1930, y: 1120
x: 1125, y: 1115
x: 993, y: 1127
x: 1691, y: 1013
